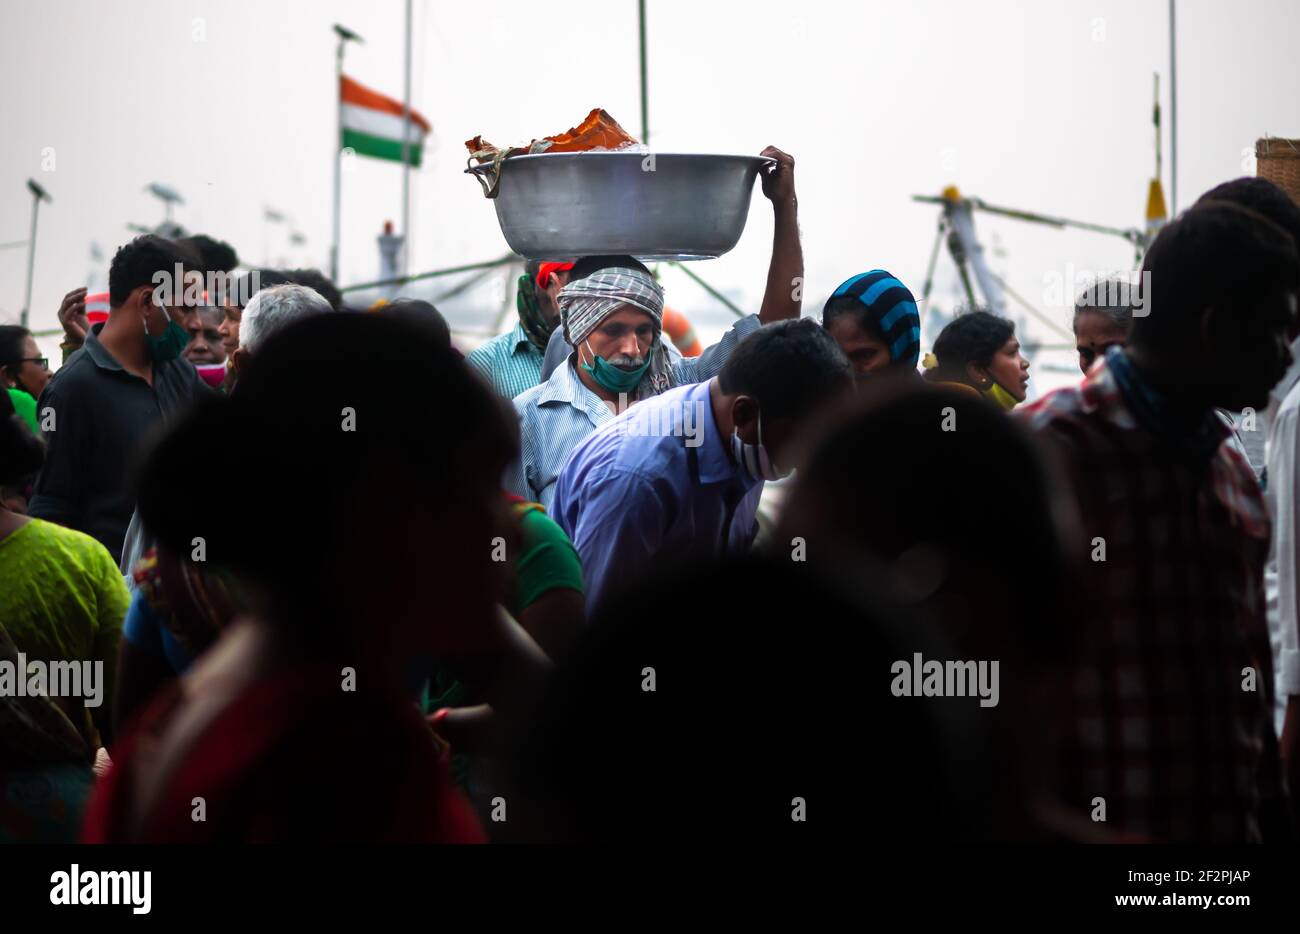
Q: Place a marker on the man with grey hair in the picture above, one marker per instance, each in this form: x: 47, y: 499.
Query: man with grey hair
x: 271, y: 310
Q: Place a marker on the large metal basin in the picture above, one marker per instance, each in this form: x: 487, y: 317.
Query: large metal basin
x: 650, y: 205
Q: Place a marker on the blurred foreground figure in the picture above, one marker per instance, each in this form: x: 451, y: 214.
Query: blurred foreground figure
x: 1171, y: 700
x: 419, y: 312
x: 179, y: 605
x: 743, y: 715
x: 1280, y: 452
x: 299, y: 724
x: 951, y: 500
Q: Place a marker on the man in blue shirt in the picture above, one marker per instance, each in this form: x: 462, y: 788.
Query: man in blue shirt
x: 681, y: 473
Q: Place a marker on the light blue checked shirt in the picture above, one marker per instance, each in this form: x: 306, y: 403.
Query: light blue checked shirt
x: 555, y: 415
x: 509, y: 362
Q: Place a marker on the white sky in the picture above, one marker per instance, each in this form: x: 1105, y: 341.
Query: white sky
x: 1038, y: 104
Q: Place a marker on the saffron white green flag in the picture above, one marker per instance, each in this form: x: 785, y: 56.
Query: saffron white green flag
x: 372, y: 124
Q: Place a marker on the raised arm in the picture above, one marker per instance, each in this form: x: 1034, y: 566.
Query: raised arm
x: 72, y: 315
x: 784, y: 296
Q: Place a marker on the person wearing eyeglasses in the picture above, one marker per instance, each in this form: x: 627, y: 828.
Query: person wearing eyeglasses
x: 23, y: 371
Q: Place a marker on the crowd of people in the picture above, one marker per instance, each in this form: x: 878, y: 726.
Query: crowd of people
x: 337, y: 581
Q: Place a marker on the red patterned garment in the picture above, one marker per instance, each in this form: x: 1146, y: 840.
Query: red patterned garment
x: 293, y: 759
x: 1162, y: 721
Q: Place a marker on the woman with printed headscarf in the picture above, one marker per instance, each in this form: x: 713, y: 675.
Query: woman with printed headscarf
x: 873, y: 318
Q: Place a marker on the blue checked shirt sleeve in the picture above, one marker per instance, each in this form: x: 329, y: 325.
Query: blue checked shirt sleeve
x: 708, y: 364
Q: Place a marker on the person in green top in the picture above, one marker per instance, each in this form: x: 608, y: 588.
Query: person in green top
x: 25, y: 407
x: 47, y: 743
x: 544, y: 594
x: 63, y: 599
x: 23, y: 371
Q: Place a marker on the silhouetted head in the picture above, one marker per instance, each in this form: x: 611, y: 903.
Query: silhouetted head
x: 745, y: 704
x: 358, y: 505
x: 1222, y: 304
x: 422, y: 314
x: 953, y: 500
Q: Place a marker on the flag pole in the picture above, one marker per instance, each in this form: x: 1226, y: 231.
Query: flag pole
x: 1173, y: 112
x: 344, y: 35
x: 645, y: 95
x: 406, y: 149
x: 38, y: 195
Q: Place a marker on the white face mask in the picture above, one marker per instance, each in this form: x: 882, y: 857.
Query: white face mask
x: 753, y: 458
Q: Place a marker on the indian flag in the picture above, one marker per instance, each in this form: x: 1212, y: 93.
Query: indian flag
x: 372, y: 124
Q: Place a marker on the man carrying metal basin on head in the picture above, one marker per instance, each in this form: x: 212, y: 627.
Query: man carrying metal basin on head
x: 612, y: 315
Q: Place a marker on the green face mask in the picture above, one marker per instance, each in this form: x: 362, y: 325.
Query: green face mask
x: 170, y: 344
x: 614, y: 378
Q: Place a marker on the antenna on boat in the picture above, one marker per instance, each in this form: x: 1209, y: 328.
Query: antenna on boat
x: 1156, y: 213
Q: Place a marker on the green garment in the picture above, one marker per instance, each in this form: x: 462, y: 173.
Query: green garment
x: 63, y: 598
x: 547, y: 560
x: 25, y: 406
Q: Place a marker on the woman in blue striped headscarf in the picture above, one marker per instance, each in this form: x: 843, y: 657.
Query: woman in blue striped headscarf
x: 873, y: 318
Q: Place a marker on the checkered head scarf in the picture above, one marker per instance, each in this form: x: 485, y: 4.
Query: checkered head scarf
x: 585, y: 303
